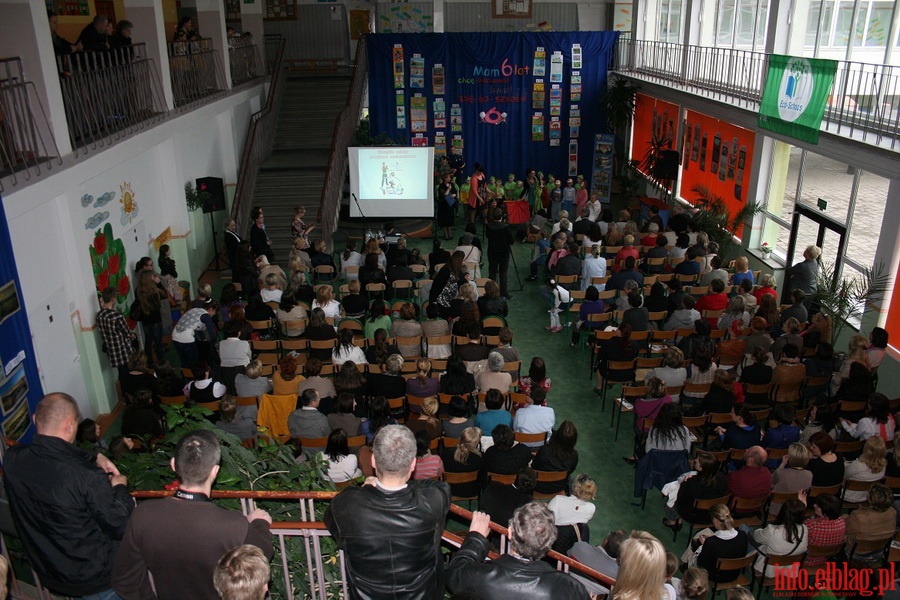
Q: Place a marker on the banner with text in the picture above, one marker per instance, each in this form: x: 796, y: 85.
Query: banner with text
x: 796, y: 92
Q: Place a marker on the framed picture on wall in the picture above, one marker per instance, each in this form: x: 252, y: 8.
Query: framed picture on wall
x: 280, y: 10
x: 512, y: 9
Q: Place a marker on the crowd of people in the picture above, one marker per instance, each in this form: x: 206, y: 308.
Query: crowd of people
x: 403, y: 396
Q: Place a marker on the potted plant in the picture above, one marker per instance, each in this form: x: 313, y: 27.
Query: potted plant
x: 845, y: 298
x: 711, y: 215
x: 195, y: 198
x: 766, y: 249
x: 618, y: 102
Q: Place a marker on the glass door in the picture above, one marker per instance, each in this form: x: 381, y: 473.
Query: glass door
x: 813, y: 227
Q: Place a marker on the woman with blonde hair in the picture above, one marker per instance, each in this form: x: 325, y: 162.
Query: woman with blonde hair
x: 613, y: 236
x: 325, y: 300
x: 465, y: 458
x: 695, y: 584
x: 741, y: 271
x: 870, y: 466
x: 423, y: 384
x: 428, y: 420
x: 372, y: 247
x: 710, y: 545
x: 819, y: 330
x: 578, y: 507
x: 298, y: 255
x: 642, y: 569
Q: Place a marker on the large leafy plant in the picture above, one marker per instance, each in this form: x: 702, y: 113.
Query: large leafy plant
x: 712, y: 216
x: 845, y: 299
x: 271, y: 467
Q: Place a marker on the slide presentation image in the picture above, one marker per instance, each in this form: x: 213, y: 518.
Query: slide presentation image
x: 392, y: 173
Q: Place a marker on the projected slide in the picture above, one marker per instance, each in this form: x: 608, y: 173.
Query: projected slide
x: 392, y: 182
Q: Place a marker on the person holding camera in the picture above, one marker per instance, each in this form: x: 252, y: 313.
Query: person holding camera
x: 499, y: 239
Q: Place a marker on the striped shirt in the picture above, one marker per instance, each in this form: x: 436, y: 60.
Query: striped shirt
x: 429, y: 466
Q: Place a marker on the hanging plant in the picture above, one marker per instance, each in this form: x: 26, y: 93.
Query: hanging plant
x: 195, y: 198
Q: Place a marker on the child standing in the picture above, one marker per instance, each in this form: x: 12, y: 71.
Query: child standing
x: 558, y: 300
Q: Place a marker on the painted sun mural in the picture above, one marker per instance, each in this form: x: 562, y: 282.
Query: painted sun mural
x: 129, y: 203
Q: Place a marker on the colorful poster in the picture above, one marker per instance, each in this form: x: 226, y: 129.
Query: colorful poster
x: 437, y: 79
x: 540, y: 62
x: 419, y: 141
x: 417, y: 72
x: 576, y: 57
x: 556, y: 67
x: 575, y: 92
x: 440, y: 144
x: 401, y: 98
x: 538, y: 94
x: 555, y: 129
x: 399, y: 69
x: 537, y: 127
x: 573, y: 158
x: 418, y: 113
x: 455, y: 118
x: 457, y: 144
x: 793, y: 101
x: 440, y: 113
x: 574, y: 121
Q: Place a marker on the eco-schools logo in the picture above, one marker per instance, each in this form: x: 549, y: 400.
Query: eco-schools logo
x: 795, y: 90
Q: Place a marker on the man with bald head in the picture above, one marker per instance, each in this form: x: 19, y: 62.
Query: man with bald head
x: 70, y: 505
x: 753, y: 480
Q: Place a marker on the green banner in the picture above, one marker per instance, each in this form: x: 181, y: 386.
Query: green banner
x: 793, y: 101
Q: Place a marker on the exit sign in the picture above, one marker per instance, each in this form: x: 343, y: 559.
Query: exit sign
x: 822, y: 204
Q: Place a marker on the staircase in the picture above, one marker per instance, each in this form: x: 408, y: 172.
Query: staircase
x: 295, y: 173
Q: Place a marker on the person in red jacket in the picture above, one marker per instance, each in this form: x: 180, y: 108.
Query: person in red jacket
x: 753, y: 480
x: 716, y: 299
x: 627, y: 250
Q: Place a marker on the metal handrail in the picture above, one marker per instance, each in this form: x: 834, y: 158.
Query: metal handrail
x: 312, y: 530
x: 259, y: 143
x: 864, y: 100
x: 109, y: 95
x: 344, y: 127
x: 23, y: 126
x: 196, y: 71
x: 244, y: 62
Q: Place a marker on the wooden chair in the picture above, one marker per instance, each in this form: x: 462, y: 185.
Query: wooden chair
x: 211, y: 406
x: 630, y: 394
x: 777, y: 499
x: 300, y: 345
x: 449, y: 442
x: 173, y: 400
x: 398, y: 408
x: 461, y: 479
x: 531, y: 438
x: 187, y: 374
x: 312, y: 445
x: 415, y: 341
x: 778, y: 561
x: 696, y: 426
x: 825, y: 552
x: 402, y: 288
x: 736, y: 565
x: 493, y: 322
x: 701, y: 504
x: 616, y: 372
x: 752, y: 508
x: 852, y: 447
x: 356, y: 442
x: 323, y: 345
x: 246, y: 400
x: 852, y: 485
x: 550, y: 477
x: 376, y: 289
x: 867, y: 548
x: 500, y: 478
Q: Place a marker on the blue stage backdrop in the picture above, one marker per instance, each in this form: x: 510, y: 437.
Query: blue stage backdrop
x: 20, y: 384
x: 489, y: 87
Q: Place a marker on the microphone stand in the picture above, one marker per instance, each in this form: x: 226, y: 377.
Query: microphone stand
x: 363, y: 215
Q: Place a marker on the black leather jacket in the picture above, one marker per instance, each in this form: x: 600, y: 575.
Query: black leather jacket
x: 508, y: 577
x: 391, y: 540
x: 69, y: 517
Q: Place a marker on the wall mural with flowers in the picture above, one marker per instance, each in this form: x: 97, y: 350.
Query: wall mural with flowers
x: 108, y: 264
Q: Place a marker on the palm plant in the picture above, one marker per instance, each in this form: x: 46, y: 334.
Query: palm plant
x: 618, y: 101
x: 713, y: 217
x: 846, y: 298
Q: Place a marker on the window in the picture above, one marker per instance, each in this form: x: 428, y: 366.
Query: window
x: 868, y: 215
x: 812, y: 23
x: 669, y: 21
x: 829, y: 180
x: 841, y: 36
x: 725, y: 23
x: 741, y: 23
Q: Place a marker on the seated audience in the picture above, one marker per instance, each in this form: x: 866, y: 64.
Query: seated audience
x: 307, y: 421
x: 465, y: 458
x: 753, y: 480
x: 878, y: 421
x: 826, y: 466
x: 493, y: 414
x: 743, y: 432
x: 250, y: 383
x: 232, y: 421
x: 203, y: 388
x: 139, y: 419
x: 723, y: 541
x: 427, y: 420
x: 709, y: 482
x: 347, y: 350
x: 408, y: 327
x: 423, y: 384
x: 500, y: 501
x: 460, y: 417
x: 558, y: 454
x: 826, y: 527
x: 877, y: 521
x: 286, y: 381
x: 343, y: 416
x: 428, y: 465
x: 869, y: 466
x: 536, y: 417
x: 787, y: 536
x: 494, y: 377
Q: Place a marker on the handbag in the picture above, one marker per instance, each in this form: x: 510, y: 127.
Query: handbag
x: 135, y: 313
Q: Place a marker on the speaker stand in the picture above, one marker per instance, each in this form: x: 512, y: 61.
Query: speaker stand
x: 212, y: 222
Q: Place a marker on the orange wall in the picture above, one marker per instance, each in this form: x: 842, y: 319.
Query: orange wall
x: 732, y: 183
x: 646, y: 107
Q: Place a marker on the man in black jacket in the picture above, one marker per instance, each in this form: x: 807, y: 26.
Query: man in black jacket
x: 499, y: 239
x: 521, y: 573
x: 70, y: 506
x: 390, y: 528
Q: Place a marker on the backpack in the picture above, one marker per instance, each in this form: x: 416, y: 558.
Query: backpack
x: 135, y: 313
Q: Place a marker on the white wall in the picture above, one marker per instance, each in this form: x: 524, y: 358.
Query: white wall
x: 50, y: 238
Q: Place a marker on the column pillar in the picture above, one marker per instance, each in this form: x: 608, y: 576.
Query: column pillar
x: 25, y: 33
x: 252, y: 21
x: 211, y: 22
x: 150, y: 28
x: 887, y: 252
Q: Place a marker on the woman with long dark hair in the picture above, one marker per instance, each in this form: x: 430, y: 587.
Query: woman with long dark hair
x: 559, y: 454
x: 447, y: 281
x: 709, y: 482
x: 349, y: 380
x: 457, y: 380
x: 376, y: 319
x: 379, y: 416
x: 149, y: 296
x: 347, y: 350
x: 668, y: 431
x: 878, y: 420
x: 785, y: 537
x: 340, y: 464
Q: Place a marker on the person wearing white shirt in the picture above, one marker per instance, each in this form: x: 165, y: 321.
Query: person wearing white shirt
x: 342, y: 465
x: 347, y: 350
x: 593, y: 265
x: 350, y: 258
x: 233, y: 351
x: 594, y: 209
x: 535, y: 418
x: 325, y: 301
x: 577, y: 508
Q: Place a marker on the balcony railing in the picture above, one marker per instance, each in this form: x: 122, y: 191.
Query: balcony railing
x: 864, y: 102
x: 258, y: 144
x: 197, y: 73
x: 26, y: 140
x: 109, y: 95
x: 344, y: 128
x: 244, y: 59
